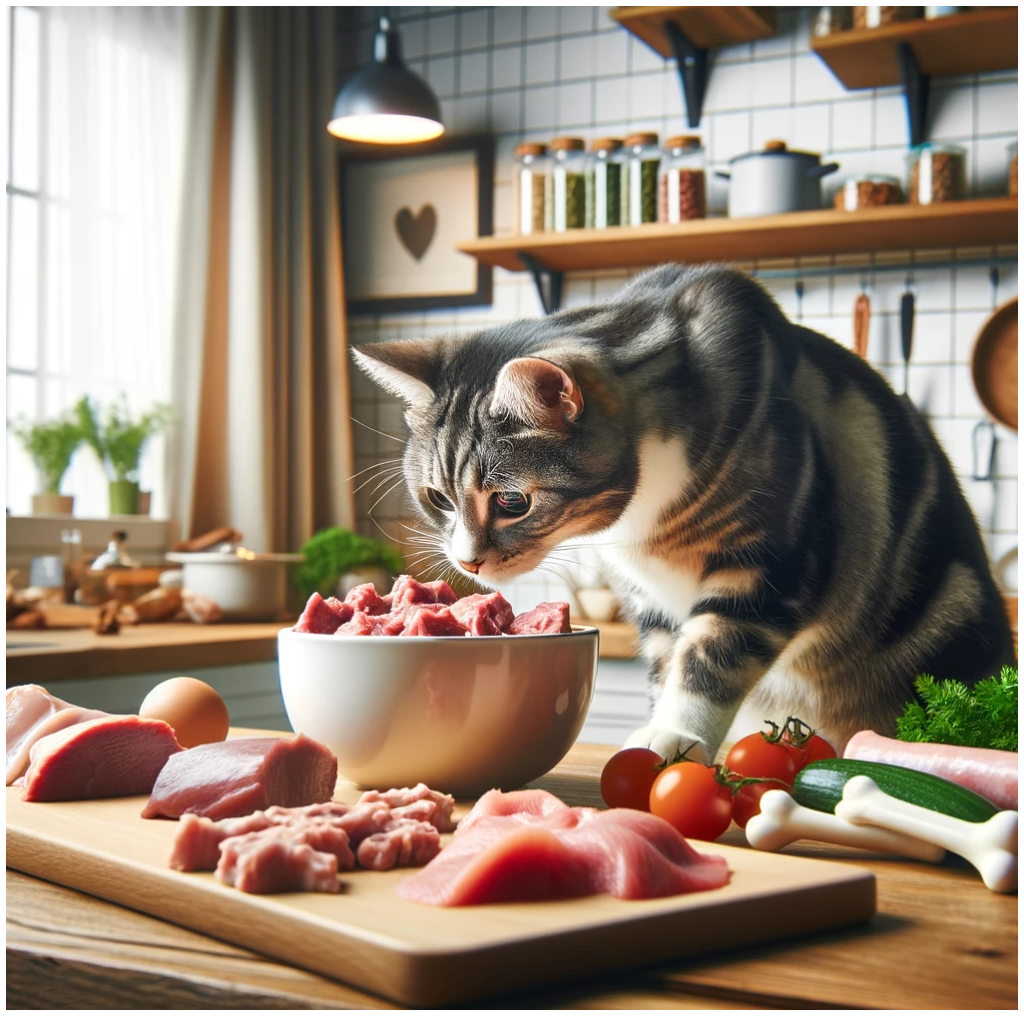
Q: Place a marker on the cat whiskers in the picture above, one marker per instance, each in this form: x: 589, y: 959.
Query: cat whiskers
x: 390, y: 437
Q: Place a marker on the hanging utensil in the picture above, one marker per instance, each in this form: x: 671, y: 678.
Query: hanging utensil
x: 983, y: 445
x: 861, y: 324
x: 799, y: 286
x: 907, y: 334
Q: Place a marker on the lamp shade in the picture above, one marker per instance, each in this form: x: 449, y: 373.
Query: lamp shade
x: 385, y: 103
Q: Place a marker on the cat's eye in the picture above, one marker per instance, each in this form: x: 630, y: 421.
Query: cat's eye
x: 511, y: 502
x: 439, y: 501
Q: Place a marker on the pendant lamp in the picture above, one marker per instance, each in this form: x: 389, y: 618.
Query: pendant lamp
x: 385, y: 103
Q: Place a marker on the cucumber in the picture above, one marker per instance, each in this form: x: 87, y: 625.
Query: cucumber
x: 820, y: 786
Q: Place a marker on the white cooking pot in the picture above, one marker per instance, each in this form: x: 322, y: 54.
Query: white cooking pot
x: 245, y: 585
x: 775, y: 181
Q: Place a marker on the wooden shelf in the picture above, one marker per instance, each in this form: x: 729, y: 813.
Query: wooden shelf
x: 892, y: 227
x: 966, y: 43
x: 703, y: 26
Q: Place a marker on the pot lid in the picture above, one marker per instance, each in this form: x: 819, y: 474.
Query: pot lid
x: 237, y: 556
x: 777, y: 149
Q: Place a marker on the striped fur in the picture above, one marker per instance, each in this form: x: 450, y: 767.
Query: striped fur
x: 785, y: 530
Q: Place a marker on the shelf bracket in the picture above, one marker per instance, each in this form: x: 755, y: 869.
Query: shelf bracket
x: 692, y: 63
x: 916, y: 86
x: 550, y: 296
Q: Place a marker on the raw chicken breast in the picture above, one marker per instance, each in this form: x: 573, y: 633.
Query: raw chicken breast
x: 114, y: 756
x: 520, y: 805
x: 230, y: 778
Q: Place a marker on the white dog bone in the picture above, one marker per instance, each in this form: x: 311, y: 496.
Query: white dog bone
x: 990, y: 846
x: 782, y: 821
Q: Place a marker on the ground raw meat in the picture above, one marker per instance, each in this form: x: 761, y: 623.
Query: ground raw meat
x: 322, y: 617
x: 272, y: 862
x: 482, y: 614
x: 567, y: 853
x: 432, y: 620
x: 401, y: 843
x: 230, y: 778
x: 521, y: 805
x: 32, y: 714
x: 114, y: 756
x: 196, y: 845
x: 428, y: 608
x: 544, y: 619
x: 440, y: 814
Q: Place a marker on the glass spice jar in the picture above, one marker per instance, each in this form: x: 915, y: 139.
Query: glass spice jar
x: 643, y: 157
x: 568, y: 184
x: 936, y: 173
x: 531, y: 188
x: 1011, y: 169
x: 604, y: 183
x: 868, y: 191
x: 682, y: 186
x: 873, y: 17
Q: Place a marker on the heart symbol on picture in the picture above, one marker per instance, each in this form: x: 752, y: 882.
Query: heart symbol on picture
x: 416, y: 231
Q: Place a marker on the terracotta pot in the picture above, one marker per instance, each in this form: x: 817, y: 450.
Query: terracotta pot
x: 124, y: 497
x: 52, y: 504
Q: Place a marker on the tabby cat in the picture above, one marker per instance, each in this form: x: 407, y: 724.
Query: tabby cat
x: 786, y: 532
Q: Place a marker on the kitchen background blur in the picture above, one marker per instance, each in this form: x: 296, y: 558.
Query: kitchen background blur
x: 197, y: 289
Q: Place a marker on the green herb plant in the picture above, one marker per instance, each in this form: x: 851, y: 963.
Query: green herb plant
x: 984, y: 716
x: 119, y: 438
x: 51, y: 444
x: 332, y: 552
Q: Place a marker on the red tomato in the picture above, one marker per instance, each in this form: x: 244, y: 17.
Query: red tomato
x: 746, y: 802
x: 755, y: 755
x: 628, y: 776
x: 804, y: 745
x: 689, y: 796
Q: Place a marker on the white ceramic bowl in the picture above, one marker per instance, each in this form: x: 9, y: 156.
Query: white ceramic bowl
x: 253, y: 588
x: 461, y: 714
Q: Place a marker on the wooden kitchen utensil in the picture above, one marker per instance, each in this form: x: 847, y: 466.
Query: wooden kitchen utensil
x: 861, y: 324
x: 994, y: 364
x: 419, y: 955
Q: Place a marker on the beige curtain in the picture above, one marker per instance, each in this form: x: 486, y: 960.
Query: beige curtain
x: 261, y: 354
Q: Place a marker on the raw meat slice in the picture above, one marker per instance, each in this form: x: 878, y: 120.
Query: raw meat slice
x: 114, y: 756
x: 33, y: 713
x: 522, y: 805
x: 603, y: 852
x: 276, y: 864
x: 373, y: 624
x: 986, y: 771
x: 407, y: 592
x: 440, y: 815
x: 544, y: 619
x: 401, y: 843
x: 484, y: 614
x: 429, y: 620
x: 230, y: 778
x: 322, y: 617
x: 366, y: 599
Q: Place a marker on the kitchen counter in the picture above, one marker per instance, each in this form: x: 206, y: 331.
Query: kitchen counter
x: 939, y: 940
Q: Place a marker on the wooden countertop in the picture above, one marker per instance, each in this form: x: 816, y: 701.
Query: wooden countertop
x: 66, y: 654
x: 939, y: 940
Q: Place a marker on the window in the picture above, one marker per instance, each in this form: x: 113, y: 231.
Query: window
x: 94, y: 160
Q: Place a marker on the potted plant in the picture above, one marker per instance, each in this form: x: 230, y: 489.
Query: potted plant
x: 119, y: 439
x: 338, y: 558
x: 51, y: 444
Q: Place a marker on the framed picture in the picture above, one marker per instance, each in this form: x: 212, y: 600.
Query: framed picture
x: 403, y: 212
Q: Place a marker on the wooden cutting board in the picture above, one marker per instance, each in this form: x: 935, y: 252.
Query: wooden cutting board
x: 418, y: 955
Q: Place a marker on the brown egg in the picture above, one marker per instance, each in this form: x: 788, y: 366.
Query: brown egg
x: 195, y: 711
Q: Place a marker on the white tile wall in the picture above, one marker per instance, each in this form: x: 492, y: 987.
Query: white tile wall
x: 531, y: 73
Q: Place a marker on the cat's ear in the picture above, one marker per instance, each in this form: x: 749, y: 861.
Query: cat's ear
x: 537, y: 391
x: 407, y: 369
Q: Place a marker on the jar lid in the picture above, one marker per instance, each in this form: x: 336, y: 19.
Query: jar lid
x: 638, y: 140
x: 566, y: 145
x: 606, y: 145
x: 529, y: 148
x: 683, y: 141
x: 934, y: 146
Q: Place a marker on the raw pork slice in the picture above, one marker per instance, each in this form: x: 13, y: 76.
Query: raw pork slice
x: 429, y: 619
x: 544, y: 619
x: 115, y: 756
x: 322, y: 617
x: 484, y: 614
x: 33, y: 713
x: 440, y: 815
x: 230, y: 778
x: 986, y: 771
x: 630, y: 855
x: 276, y: 863
x: 520, y: 805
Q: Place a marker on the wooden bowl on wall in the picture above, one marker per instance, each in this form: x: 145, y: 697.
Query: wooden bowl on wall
x: 994, y: 364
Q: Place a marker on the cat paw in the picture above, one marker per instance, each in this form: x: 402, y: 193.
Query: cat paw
x: 670, y: 744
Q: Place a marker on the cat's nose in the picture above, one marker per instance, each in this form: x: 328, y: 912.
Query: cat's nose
x: 472, y: 566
